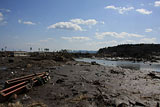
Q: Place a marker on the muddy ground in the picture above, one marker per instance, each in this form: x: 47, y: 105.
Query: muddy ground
x: 78, y: 84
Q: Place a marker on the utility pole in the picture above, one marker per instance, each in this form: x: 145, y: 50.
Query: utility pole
x: 30, y: 49
x: 5, y: 48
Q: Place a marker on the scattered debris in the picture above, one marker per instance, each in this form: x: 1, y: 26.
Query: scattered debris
x: 79, y: 98
x: 96, y: 82
x: 59, y: 81
x: 37, y: 104
x: 76, y: 84
x: 61, y: 75
x: 26, y: 97
x: 94, y: 63
x: 140, y: 104
x: 10, y: 60
x: 97, y: 74
x: 29, y: 65
x: 153, y: 75
x: 21, y: 84
x: 17, y: 104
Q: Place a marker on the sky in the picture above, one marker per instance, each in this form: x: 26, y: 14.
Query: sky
x: 77, y: 24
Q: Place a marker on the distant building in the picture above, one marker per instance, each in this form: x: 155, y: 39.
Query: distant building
x: 18, y: 53
x: 13, y: 53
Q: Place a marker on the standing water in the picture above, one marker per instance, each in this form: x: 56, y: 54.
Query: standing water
x: 125, y: 64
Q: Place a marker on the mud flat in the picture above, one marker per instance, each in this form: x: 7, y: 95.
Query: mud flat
x: 79, y: 84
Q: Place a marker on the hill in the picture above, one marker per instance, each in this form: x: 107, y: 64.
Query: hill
x: 132, y: 50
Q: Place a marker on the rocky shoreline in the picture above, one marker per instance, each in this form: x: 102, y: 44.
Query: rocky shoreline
x: 79, y: 84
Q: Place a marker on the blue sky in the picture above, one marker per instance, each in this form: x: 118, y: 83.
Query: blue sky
x: 77, y: 24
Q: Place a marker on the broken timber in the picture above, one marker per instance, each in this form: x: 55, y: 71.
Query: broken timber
x: 18, y: 85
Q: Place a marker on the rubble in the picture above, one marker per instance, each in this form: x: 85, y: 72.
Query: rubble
x: 17, y: 85
x: 59, y: 81
x: 94, y: 63
x: 78, y: 84
x: 26, y: 97
x: 37, y: 104
x: 153, y: 75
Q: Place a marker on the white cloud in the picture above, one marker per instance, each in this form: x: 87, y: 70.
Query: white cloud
x: 96, y: 45
x: 120, y: 10
x: 148, y: 30
x: 46, y: 40
x: 33, y: 44
x: 102, y: 22
x: 113, y: 42
x: 19, y: 21
x: 148, y: 40
x: 144, y: 11
x: 116, y: 35
x: 157, y: 3
x: 28, y: 23
x: 65, y: 25
x: 84, y: 22
x: 111, y: 7
x: 102, y: 35
x: 5, y: 10
x: 128, y: 42
x: 1, y: 17
x: 74, y: 24
x: 76, y: 38
x: 97, y: 30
